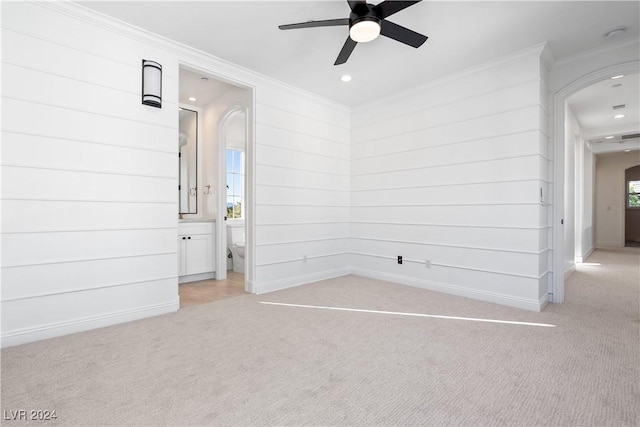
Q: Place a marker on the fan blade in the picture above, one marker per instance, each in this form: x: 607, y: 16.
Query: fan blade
x: 388, y: 7
x: 354, y: 4
x: 313, y: 24
x: 348, y: 47
x: 402, y: 34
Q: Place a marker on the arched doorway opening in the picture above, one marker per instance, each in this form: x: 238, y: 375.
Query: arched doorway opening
x: 561, y: 183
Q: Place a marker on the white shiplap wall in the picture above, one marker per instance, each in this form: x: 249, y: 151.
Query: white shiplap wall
x: 302, y: 190
x: 89, y: 207
x: 88, y: 178
x: 451, y: 173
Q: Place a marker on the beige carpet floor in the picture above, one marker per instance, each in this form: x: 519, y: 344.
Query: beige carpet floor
x: 239, y: 362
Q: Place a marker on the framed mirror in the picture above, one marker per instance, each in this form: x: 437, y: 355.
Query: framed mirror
x: 188, y: 162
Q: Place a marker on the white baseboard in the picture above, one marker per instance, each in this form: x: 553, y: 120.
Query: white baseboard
x: 508, y: 300
x: 196, y: 277
x: 544, y: 301
x: 581, y: 259
x: 605, y: 245
x: 276, y: 285
x: 588, y: 253
x: 53, y: 330
x: 569, y: 271
x: 250, y: 286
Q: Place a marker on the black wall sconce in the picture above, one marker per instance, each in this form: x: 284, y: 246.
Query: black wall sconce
x: 151, y: 83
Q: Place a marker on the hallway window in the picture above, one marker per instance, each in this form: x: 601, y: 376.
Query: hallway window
x: 633, y: 194
x: 235, y: 184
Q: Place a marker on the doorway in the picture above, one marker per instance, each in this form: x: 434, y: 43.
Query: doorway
x: 225, y: 116
x: 565, y: 208
x: 233, y: 195
x: 632, y: 207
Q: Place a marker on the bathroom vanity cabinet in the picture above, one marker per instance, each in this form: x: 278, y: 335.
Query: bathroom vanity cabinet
x: 196, y: 251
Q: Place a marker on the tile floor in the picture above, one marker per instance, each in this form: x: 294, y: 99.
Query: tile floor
x: 204, y: 291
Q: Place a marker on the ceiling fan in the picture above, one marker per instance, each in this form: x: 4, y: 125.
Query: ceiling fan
x: 366, y: 22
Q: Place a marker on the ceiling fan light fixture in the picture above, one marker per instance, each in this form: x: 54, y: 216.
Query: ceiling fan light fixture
x: 364, y: 30
x: 366, y: 22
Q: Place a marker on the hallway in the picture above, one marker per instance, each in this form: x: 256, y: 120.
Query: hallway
x: 608, y: 282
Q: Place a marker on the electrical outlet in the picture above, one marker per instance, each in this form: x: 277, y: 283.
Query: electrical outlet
x: 304, y: 258
x: 427, y: 264
x: 399, y: 259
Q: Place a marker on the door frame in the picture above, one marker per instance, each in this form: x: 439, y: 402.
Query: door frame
x: 220, y: 260
x: 558, y: 229
x: 221, y: 225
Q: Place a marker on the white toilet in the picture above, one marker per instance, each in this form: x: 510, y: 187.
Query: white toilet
x: 235, y: 237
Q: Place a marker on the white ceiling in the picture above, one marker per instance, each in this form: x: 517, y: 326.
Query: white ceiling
x: 594, y: 105
x: 461, y: 35
x: 593, y: 108
x: 202, y: 88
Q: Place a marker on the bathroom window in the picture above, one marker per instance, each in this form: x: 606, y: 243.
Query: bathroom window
x: 235, y: 184
x: 633, y: 194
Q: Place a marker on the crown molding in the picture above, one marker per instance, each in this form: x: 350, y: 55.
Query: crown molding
x: 587, y: 54
x: 186, y: 54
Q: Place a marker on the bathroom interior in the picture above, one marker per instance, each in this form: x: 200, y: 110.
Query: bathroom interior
x: 213, y: 139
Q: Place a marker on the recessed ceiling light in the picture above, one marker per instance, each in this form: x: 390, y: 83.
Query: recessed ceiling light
x: 192, y: 99
x: 346, y: 78
x: 608, y: 137
x: 619, y: 116
x: 627, y: 151
x: 619, y: 76
x: 617, y: 85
